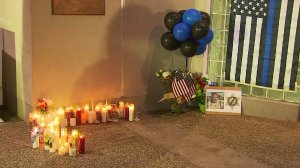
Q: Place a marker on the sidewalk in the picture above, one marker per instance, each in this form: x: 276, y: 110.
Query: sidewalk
x: 193, y: 147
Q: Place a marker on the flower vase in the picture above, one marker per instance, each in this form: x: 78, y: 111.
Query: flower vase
x: 175, y: 107
x: 202, y: 108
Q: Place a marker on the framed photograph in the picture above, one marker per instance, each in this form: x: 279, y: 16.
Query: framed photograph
x: 78, y: 7
x: 224, y: 100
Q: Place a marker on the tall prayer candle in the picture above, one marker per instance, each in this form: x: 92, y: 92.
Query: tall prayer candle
x: 78, y: 116
x: 127, y: 112
x: 98, y: 113
x: 81, y: 148
x: 121, y: 108
x: 131, y: 112
x: 72, y: 122
x: 75, y: 136
x: 35, y: 137
x: 91, y: 116
x: 83, y: 117
x: 103, y: 114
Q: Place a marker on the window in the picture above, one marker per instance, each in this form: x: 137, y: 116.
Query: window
x: 220, y: 15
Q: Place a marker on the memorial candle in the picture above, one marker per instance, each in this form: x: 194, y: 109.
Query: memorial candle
x: 98, y: 113
x: 131, y: 112
x: 127, y: 111
x: 78, y: 116
x: 121, y: 108
x: 81, y: 148
x: 35, y: 137
x: 104, y: 114
x: 75, y: 136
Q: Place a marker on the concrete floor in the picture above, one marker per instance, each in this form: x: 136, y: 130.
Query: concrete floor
x: 195, y: 148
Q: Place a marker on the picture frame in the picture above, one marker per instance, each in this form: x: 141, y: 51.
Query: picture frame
x: 223, y: 100
x: 78, y: 7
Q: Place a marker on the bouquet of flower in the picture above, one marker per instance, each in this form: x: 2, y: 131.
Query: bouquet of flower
x: 42, y: 106
x: 200, y: 83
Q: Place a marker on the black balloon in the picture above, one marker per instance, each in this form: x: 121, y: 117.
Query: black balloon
x: 169, y: 42
x: 171, y: 19
x: 181, y: 13
x: 188, y: 48
x: 200, y: 29
x: 205, y: 17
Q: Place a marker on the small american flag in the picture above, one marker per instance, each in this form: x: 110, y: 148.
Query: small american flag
x: 183, y: 87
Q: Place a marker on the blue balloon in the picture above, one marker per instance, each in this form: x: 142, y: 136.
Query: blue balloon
x: 206, y: 39
x: 182, y: 32
x: 201, y: 49
x: 191, y: 16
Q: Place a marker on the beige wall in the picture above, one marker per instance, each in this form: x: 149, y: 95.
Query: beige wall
x: 78, y: 57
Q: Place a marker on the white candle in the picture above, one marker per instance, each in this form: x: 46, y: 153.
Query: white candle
x: 103, y: 114
x: 86, y: 108
x: 61, y: 150
x: 72, y: 151
x: 131, y: 112
x: 91, y: 116
x: 121, y: 108
x: 72, y: 122
x: 35, y: 139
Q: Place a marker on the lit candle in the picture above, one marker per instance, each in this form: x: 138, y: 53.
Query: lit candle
x: 121, y: 108
x: 81, y: 147
x: 64, y: 135
x: 61, y: 150
x: 83, y: 117
x: 127, y: 111
x: 75, y: 136
x: 78, y: 116
x: 35, y: 139
x: 103, y: 114
x: 131, y: 112
x: 86, y: 108
x: 91, y: 116
x: 92, y: 100
x: 52, y: 140
x: 72, y: 122
x: 72, y: 151
x: 98, y: 113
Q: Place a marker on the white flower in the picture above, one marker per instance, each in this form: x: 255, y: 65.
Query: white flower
x: 166, y: 74
x: 157, y: 74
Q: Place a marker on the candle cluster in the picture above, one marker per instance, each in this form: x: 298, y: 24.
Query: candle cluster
x: 49, y: 130
x: 47, y: 133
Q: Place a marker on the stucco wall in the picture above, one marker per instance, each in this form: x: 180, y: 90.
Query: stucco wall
x: 77, y: 57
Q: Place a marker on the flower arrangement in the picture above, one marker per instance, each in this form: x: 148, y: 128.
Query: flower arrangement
x: 42, y: 105
x: 167, y: 77
x: 200, y: 82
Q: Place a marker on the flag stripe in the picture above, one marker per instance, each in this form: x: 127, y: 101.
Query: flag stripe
x: 251, y: 50
x: 240, y: 48
x: 235, y: 47
x: 245, y: 49
x: 256, y: 50
x: 296, y: 56
x: 286, y: 38
x: 268, y: 42
x: 278, y: 51
x: 274, y: 41
x: 229, y: 47
x: 290, y: 54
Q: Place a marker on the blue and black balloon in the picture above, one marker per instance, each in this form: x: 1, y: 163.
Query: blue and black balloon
x: 189, y: 30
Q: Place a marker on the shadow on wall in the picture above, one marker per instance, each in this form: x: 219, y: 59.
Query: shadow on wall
x: 142, y: 54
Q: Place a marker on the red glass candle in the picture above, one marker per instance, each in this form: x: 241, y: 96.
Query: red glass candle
x: 78, y: 116
x: 81, y: 147
x: 127, y: 112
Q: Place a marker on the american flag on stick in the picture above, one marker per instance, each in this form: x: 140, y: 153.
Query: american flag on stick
x: 183, y: 87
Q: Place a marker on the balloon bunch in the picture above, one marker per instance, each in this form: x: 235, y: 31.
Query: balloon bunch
x: 189, y: 31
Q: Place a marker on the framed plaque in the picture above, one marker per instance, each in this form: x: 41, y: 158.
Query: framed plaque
x: 78, y: 7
